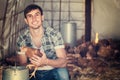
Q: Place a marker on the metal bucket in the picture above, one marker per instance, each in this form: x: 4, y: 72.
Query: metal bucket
x: 68, y: 31
x: 16, y: 73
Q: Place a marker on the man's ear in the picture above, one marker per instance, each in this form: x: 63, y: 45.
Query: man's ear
x: 26, y: 21
x: 42, y: 17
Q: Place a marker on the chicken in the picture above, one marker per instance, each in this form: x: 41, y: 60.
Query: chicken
x: 29, y: 52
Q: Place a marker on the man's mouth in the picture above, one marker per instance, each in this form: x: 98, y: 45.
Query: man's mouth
x: 34, y: 23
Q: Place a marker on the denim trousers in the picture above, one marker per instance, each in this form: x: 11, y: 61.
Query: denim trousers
x: 54, y: 74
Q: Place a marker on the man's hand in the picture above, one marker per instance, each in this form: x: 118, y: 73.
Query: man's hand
x: 39, y: 61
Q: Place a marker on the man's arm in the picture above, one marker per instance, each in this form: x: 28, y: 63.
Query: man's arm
x: 61, y: 61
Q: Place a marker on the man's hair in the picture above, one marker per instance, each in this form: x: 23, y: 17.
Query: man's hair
x: 32, y: 7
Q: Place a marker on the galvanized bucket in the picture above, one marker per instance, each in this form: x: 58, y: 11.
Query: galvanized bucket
x: 15, y: 73
x: 68, y: 31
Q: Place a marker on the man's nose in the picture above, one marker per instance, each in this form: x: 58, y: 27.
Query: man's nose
x: 34, y: 18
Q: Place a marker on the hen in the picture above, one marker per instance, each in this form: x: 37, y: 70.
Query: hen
x: 29, y: 52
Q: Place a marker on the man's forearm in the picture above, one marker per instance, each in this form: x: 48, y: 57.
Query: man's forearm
x: 60, y: 62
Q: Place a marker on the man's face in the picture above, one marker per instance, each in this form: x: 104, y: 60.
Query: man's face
x: 34, y: 19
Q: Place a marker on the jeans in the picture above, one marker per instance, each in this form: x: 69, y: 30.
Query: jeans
x: 62, y: 74
x: 54, y: 74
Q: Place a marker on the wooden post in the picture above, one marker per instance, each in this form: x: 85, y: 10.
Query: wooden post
x: 87, y: 20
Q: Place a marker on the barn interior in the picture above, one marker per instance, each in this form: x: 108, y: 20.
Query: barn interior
x: 90, y: 29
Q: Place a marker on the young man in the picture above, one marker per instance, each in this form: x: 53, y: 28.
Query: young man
x: 50, y: 43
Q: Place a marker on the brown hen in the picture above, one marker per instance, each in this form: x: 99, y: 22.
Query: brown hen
x: 29, y: 52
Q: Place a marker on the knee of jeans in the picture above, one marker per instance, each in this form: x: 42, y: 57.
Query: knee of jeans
x: 63, y: 74
x: 64, y: 77
x: 62, y: 71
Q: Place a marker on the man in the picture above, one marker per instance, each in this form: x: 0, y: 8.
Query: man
x: 48, y: 41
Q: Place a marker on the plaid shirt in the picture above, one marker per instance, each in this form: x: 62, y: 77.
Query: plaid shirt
x: 51, y: 40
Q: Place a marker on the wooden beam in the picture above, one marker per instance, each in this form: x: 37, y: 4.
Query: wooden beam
x: 87, y: 20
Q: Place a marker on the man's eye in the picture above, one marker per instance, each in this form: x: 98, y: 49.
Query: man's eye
x: 37, y: 14
x: 29, y: 16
